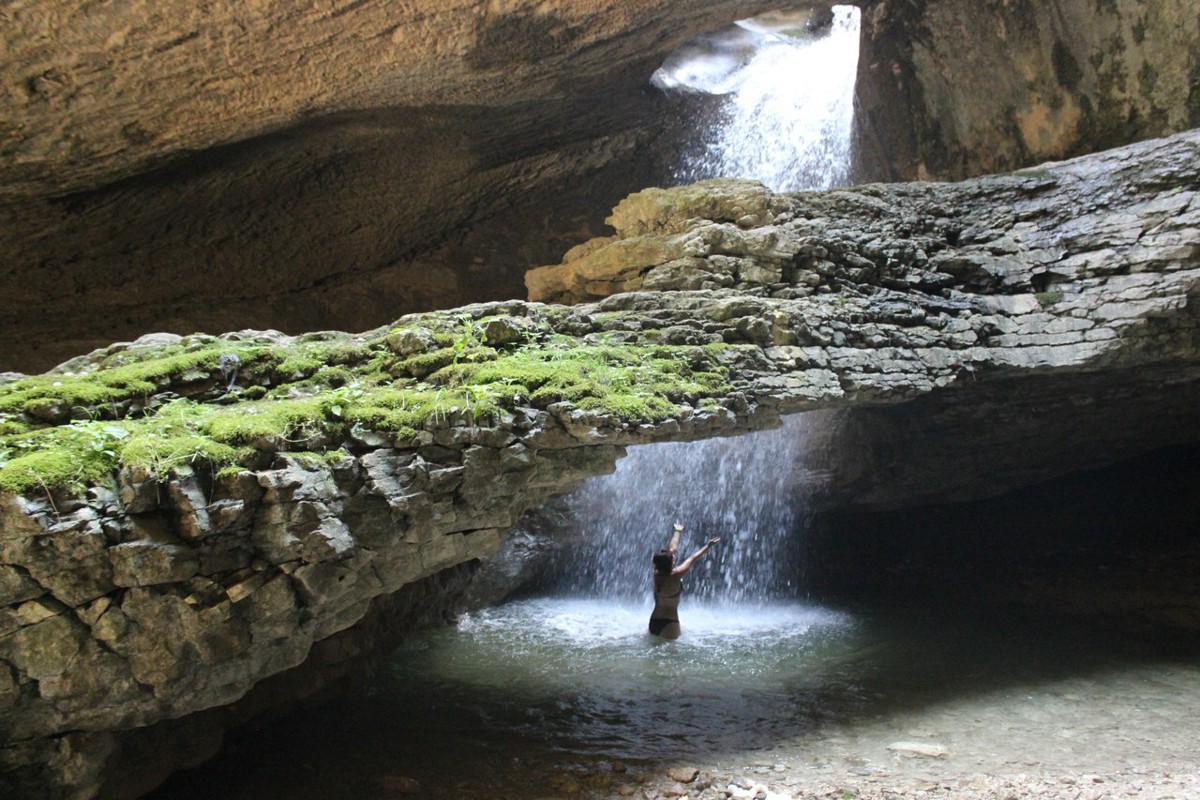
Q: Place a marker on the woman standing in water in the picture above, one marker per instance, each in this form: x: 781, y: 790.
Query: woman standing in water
x: 668, y: 585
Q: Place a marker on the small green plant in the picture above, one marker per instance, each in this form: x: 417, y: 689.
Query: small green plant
x: 466, y: 340
x: 338, y: 402
x: 1040, y: 174
x: 160, y: 409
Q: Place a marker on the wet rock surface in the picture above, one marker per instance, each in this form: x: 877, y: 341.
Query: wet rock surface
x: 331, y: 165
x: 145, y: 599
x: 955, y: 89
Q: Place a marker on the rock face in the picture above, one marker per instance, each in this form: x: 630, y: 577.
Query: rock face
x: 306, y: 166
x: 157, y: 594
x: 100, y: 93
x: 1002, y: 273
x: 949, y: 89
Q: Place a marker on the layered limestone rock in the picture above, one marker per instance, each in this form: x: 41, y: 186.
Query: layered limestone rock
x: 307, y: 165
x: 1038, y: 271
x: 332, y: 164
x: 950, y: 88
x: 100, y: 92
x: 180, y: 525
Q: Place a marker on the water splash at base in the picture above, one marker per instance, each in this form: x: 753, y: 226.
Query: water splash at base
x: 751, y: 491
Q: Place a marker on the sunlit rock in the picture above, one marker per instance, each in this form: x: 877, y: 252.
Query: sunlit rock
x: 964, y: 311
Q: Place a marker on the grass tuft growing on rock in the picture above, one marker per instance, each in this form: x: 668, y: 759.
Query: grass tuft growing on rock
x: 165, y: 408
x: 635, y: 383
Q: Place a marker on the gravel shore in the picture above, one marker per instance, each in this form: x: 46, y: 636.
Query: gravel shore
x: 1162, y: 786
x: 771, y: 783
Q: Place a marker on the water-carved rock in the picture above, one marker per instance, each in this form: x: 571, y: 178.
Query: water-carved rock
x: 264, y: 522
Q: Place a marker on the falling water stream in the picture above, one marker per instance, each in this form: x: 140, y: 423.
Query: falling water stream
x: 536, y: 698
x: 787, y: 114
x: 747, y: 491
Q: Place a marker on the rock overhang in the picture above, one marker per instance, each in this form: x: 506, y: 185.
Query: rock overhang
x: 337, y: 163
x: 345, y: 466
x: 98, y: 94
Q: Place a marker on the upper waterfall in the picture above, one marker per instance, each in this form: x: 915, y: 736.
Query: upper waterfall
x: 788, y: 111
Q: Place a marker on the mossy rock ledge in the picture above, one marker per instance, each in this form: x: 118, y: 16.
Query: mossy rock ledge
x: 184, y: 517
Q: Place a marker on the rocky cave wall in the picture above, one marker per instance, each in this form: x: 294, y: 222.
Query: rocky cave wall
x: 950, y: 88
x: 308, y: 166
x: 332, y: 165
x: 338, y: 164
x: 1055, y: 307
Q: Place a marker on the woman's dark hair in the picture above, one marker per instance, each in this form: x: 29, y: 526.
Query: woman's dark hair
x: 664, y: 561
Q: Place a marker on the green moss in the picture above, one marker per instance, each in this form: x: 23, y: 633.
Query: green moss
x: 10, y: 427
x: 148, y: 374
x: 73, y: 454
x: 424, y: 364
x: 230, y: 471
x: 313, y: 460
x: 334, y: 377
x: 302, y: 361
x: 88, y: 394
x: 319, y: 391
x: 1039, y: 174
x: 630, y: 408
x: 46, y: 469
x: 161, y: 453
x: 634, y: 383
x: 38, y: 396
x: 403, y: 411
x: 292, y: 419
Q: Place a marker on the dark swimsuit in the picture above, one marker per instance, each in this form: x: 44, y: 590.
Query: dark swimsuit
x: 662, y: 586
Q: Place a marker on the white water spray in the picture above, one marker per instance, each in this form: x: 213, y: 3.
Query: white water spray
x: 751, y: 491
x: 786, y: 121
x: 788, y: 115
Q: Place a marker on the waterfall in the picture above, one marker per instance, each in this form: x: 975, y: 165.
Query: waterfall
x: 786, y: 120
x: 751, y: 491
x: 788, y: 110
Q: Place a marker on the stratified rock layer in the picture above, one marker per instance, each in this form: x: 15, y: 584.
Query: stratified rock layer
x: 155, y: 596
x: 950, y: 88
x: 306, y: 165
x: 97, y: 93
x: 312, y: 165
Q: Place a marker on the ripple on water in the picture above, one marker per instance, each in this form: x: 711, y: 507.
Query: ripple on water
x: 586, y: 674
x: 538, y: 686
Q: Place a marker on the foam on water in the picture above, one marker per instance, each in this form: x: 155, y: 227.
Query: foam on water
x: 585, y: 674
x: 601, y: 645
x: 591, y: 623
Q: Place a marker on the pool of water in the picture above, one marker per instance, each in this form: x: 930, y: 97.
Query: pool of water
x: 516, y: 695
x: 583, y: 676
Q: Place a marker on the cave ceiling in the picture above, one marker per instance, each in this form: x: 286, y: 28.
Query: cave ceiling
x: 336, y: 165
x: 305, y: 166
